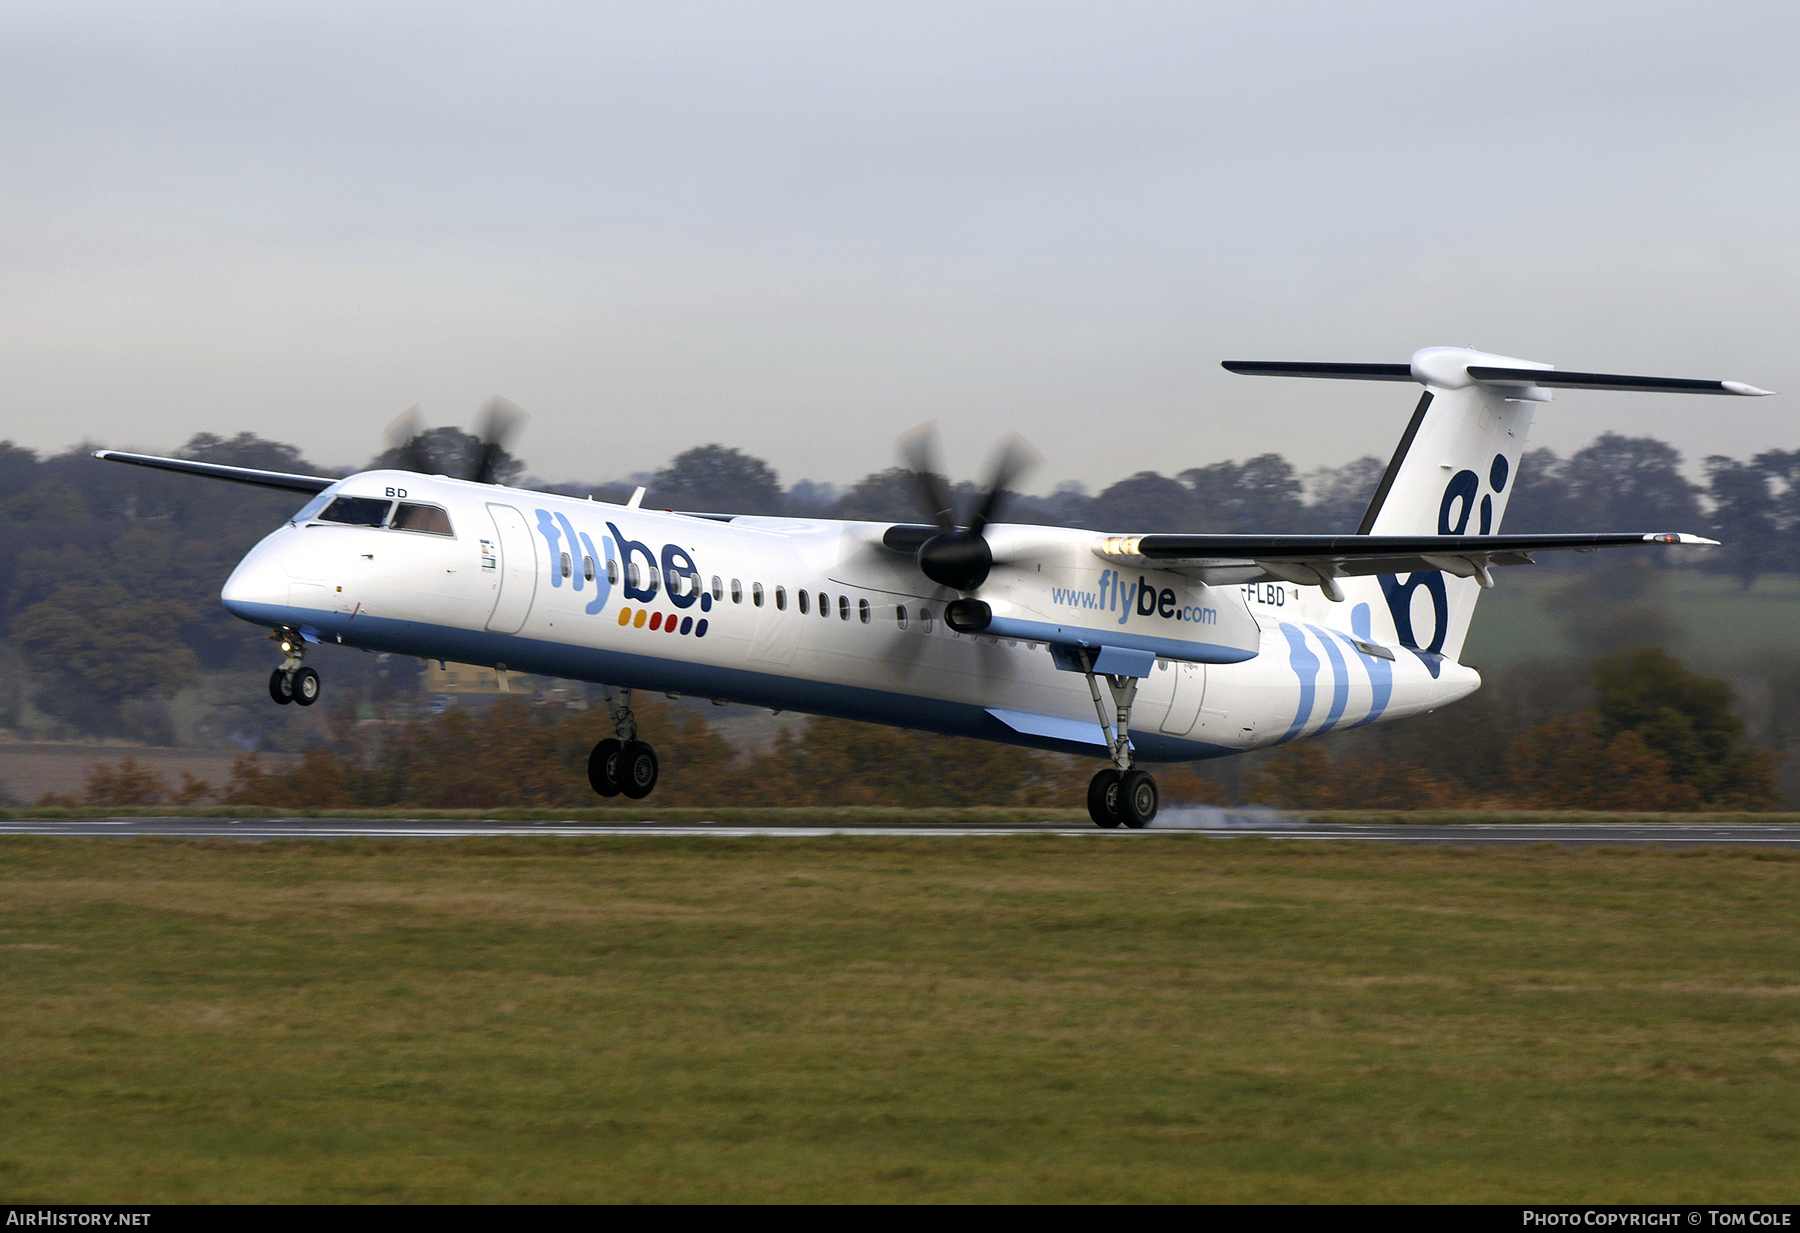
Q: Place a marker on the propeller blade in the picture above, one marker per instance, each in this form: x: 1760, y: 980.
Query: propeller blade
x: 500, y: 421
x: 1014, y: 458
x: 406, y: 438
x: 918, y: 450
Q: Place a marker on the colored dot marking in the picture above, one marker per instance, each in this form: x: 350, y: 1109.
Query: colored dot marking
x: 700, y: 628
x: 624, y: 616
x: 687, y: 623
x: 638, y: 621
x: 670, y: 627
x: 656, y: 620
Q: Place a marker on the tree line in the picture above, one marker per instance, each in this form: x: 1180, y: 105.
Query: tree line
x: 109, y: 577
x: 1658, y: 738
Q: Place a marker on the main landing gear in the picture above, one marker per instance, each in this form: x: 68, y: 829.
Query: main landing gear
x: 1120, y: 795
x: 291, y: 682
x: 622, y: 764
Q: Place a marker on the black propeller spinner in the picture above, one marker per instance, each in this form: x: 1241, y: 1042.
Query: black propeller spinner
x: 959, y: 557
x: 410, y: 443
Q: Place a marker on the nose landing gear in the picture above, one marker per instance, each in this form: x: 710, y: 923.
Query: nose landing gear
x: 291, y: 682
x: 622, y: 764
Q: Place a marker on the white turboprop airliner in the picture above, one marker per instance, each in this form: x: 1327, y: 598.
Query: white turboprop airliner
x: 1136, y: 648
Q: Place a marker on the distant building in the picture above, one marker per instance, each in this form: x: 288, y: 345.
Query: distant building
x: 467, y: 679
x: 463, y: 679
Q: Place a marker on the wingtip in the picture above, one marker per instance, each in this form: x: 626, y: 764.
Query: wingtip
x: 1748, y: 391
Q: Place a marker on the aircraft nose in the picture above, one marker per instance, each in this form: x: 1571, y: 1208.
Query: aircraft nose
x: 257, y: 586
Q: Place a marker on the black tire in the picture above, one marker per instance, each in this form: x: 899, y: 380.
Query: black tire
x: 637, y: 770
x: 1103, y: 798
x: 281, y: 687
x: 306, y: 687
x: 1137, y: 799
x: 603, y: 766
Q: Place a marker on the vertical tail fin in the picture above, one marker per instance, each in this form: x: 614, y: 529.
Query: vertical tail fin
x: 1453, y: 473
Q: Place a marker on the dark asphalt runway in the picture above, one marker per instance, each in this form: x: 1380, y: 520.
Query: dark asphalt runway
x: 1216, y: 823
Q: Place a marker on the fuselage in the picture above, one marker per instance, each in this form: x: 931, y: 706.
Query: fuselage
x: 819, y: 617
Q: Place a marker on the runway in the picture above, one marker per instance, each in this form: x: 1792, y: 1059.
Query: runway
x: 1220, y: 824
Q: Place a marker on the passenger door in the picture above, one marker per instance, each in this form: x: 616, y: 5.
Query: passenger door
x: 515, y: 571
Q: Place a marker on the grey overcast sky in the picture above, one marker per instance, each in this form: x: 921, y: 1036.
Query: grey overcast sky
x: 803, y: 228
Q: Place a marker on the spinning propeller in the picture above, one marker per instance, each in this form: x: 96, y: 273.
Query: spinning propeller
x: 957, y: 557
x: 412, y: 446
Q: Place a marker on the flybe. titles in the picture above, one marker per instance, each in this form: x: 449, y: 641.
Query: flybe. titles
x: 1130, y: 599
x: 674, y: 575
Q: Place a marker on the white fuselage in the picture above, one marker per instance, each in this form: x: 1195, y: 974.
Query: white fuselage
x: 654, y: 600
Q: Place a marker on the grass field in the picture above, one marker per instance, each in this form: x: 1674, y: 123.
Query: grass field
x: 1718, y: 624
x: 894, y: 1019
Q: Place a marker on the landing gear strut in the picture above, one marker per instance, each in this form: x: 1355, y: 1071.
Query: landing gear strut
x: 291, y: 682
x: 1120, y: 794
x: 622, y: 764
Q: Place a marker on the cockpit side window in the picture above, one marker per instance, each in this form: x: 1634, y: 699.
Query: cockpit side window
x: 311, y: 509
x: 427, y: 518
x: 356, y: 511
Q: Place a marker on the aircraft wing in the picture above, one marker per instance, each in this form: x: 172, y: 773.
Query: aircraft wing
x: 216, y: 470
x: 1313, y: 560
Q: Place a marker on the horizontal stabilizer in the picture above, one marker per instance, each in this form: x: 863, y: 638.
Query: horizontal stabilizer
x: 1454, y: 367
x: 1553, y: 379
x: 1342, y: 372
x: 214, y: 470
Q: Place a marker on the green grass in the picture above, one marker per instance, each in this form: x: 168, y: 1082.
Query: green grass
x: 1717, y: 622
x: 894, y: 1019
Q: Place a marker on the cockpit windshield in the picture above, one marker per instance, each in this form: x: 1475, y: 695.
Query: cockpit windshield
x: 311, y: 509
x: 427, y: 518
x: 356, y: 511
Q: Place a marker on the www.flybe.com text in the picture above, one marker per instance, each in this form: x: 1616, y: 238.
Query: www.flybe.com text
x: 1129, y: 599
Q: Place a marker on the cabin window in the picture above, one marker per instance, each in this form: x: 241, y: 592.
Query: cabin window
x: 718, y: 588
x: 925, y: 619
x: 655, y: 580
x: 587, y: 568
x: 803, y: 603
x: 356, y: 511
x: 843, y: 607
x: 756, y: 594
x: 862, y: 611
x: 737, y: 591
x: 426, y: 518
x: 568, y: 566
x: 634, y: 576
x: 781, y: 599
x: 900, y: 614
x: 824, y: 605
